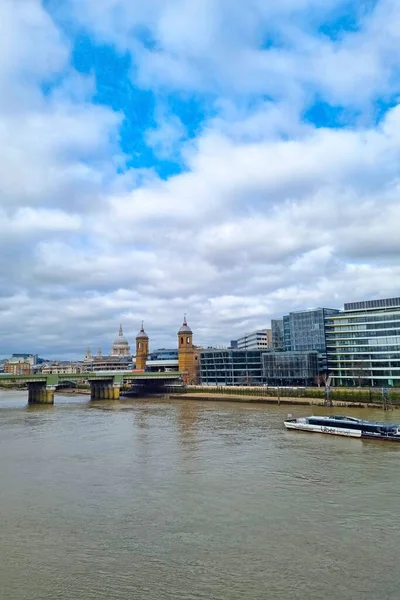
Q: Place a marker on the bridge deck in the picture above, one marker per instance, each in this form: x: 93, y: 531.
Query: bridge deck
x: 116, y: 376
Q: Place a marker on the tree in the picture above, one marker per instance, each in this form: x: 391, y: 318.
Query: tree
x: 360, y: 373
x: 321, y: 379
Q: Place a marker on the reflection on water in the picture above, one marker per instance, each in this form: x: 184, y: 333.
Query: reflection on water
x: 189, y: 500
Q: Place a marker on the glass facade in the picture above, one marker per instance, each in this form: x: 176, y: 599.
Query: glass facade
x: 371, y: 304
x: 277, y: 334
x: 164, y: 354
x: 231, y: 367
x: 287, y: 343
x: 307, y: 329
x: 290, y: 368
x: 363, y: 344
x: 304, y: 331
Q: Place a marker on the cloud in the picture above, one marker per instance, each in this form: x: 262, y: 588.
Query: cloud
x: 263, y: 212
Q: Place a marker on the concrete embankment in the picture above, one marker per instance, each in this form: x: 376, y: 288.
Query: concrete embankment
x: 271, y: 400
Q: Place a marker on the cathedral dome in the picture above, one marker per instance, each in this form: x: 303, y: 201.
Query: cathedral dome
x: 120, y: 345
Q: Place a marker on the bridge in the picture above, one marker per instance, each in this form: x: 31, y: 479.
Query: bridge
x: 103, y: 385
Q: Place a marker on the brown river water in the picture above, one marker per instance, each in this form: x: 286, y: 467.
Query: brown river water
x: 183, y: 500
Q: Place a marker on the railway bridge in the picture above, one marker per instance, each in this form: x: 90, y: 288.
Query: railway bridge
x: 103, y: 386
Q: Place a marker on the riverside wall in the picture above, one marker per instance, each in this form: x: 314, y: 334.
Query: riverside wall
x: 340, y: 397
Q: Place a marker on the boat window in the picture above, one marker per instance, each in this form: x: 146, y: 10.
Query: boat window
x: 371, y: 428
x: 335, y: 423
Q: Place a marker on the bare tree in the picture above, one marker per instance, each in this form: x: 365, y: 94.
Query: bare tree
x: 360, y: 373
x: 321, y: 379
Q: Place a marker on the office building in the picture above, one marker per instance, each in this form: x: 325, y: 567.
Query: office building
x: 164, y: 359
x: 230, y: 367
x: 257, y: 340
x: 304, y: 330
x: 277, y: 334
x: 363, y: 344
x: 287, y: 344
x: 290, y: 368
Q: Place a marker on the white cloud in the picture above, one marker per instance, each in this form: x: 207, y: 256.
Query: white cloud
x: 270, y: 214
x: 227, y: 46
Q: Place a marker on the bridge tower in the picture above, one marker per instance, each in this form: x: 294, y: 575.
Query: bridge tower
x: 187, y: 355
x: 142, y: 348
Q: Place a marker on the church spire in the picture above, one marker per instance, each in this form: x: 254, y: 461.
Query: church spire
x: 120, y: 330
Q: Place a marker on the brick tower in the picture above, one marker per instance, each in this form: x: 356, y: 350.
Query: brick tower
x: 187, y: 355
x: 142, y: 349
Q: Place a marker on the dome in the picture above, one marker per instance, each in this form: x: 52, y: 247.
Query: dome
x: 121, y: 339
x: 142, y: 334
x: 120, y: 345
x: 185, y: 327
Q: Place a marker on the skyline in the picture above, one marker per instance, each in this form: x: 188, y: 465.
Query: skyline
x: 232, y: 161
x: 132, y: 338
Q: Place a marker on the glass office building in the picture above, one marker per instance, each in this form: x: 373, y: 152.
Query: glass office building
x: 277, y: 334
x: 231, y: 367
x: 306, y: 329
x: 290, y: 368
x: 363, y: 344
x: 257, y: 340
x: 287, y: 343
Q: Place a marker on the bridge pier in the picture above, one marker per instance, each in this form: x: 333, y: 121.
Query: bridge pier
x: 104, y: 390
x: 39, y: 393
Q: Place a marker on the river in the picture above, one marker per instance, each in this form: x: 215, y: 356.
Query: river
x: 182, y: 500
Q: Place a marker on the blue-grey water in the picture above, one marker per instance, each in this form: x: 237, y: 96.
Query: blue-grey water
x: 173, y: 500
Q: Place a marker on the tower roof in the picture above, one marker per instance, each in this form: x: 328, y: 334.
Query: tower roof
x: 185, y: 327
x: 142, y: 334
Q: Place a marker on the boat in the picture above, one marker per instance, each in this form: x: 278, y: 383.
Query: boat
x: 347, y: 426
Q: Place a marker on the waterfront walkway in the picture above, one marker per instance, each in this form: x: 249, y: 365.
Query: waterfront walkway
x: 271, y: 400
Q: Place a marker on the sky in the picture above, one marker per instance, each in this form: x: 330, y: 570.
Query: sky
x: 230, y: 160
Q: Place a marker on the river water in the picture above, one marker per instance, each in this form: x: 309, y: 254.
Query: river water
x: 173, y: 500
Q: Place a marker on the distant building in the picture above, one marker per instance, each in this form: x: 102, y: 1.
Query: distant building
x: 304, y: 331
x: 277, y: 334
x: 142, y: 349
x: 230, y: 367
x: 23, y: 358
x: 188, y: 355
x: 17, y: 368
x: 62, y: 368
x: 256, y: 340
x: 120, y: 358
x: 120, y: 346
x: 99, y: 362
x: 290, y: 368
x: 164, y: 359
x: 363, y: 343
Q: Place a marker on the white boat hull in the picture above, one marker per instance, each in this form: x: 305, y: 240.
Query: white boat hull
x: 323, y: 429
